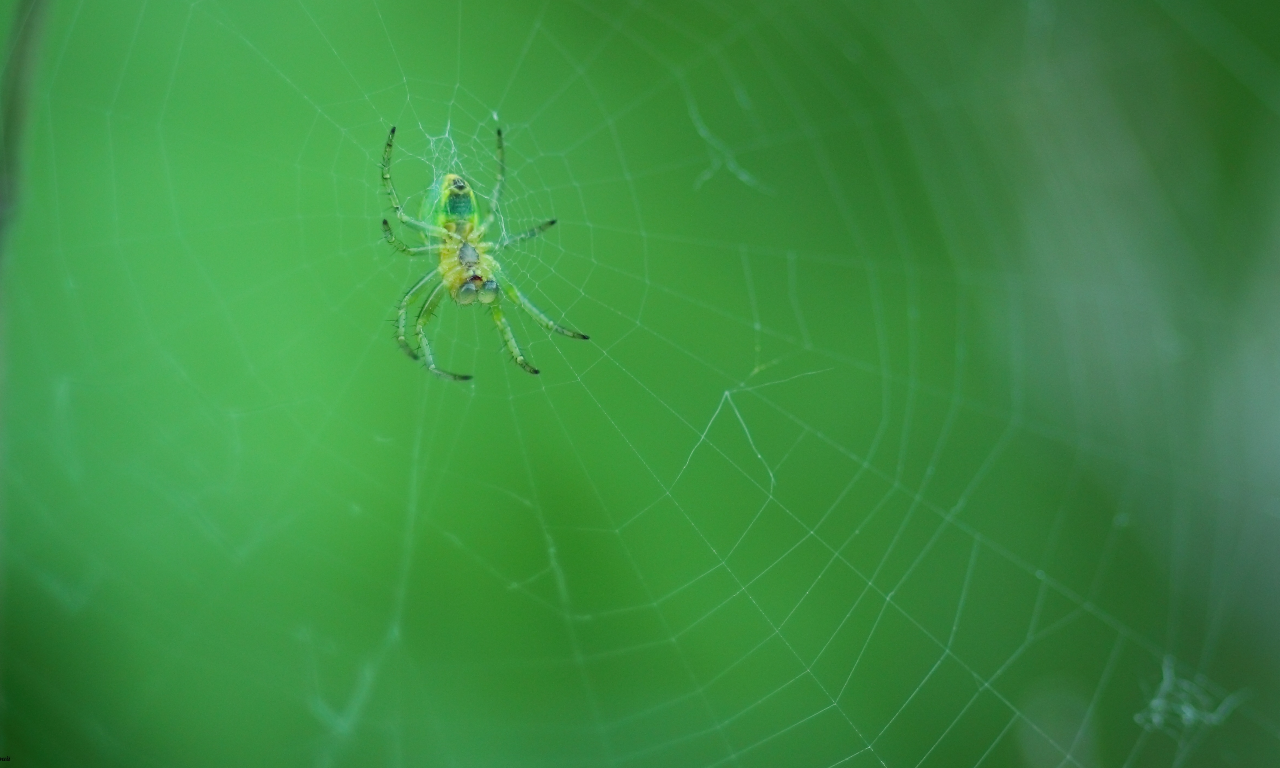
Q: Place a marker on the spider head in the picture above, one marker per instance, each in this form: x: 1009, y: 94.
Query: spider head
x: 457, y: 200
x: 477, y: 287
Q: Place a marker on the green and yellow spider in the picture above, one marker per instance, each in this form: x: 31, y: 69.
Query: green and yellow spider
x: 450, y: 226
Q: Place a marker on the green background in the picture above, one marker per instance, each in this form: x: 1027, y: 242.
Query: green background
x: 929, y: 403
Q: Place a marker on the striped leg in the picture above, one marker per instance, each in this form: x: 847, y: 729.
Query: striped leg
x: 497, y: 188
x: 543, y: 227
x: 404, y: 311
x: 509, y: 337
x: 407, y: 250
x: 513, y: 293
x: 428, y: 309
x: 404, y: 218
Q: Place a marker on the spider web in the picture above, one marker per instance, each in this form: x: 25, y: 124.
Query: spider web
x: 927, y: 416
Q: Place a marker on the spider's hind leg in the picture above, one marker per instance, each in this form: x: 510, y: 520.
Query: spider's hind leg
x: 407, y: 250
x: 543, y: 227
x: 406, y: 219
x: 497, y: 187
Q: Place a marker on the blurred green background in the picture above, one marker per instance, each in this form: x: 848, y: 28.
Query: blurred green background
x: 930, y: 405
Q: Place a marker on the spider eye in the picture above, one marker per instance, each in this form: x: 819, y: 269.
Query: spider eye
x: 459, y: 184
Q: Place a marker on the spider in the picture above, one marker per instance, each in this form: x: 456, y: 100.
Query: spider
x: 450, y: 226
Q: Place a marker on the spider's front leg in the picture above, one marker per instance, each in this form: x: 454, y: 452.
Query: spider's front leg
x: 509, y: 337
x: 403, y: 312
x: 513, y: 293
x: 428, y: 309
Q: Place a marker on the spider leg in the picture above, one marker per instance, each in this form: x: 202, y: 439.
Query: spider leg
x: 509, y: 337
x: 428, y: 309
x: 497, y: 188
x: 405, y: 218
x: 513, y: 293
x: 404, y: 309
x: 407, y: 250
x: 543, y: 227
